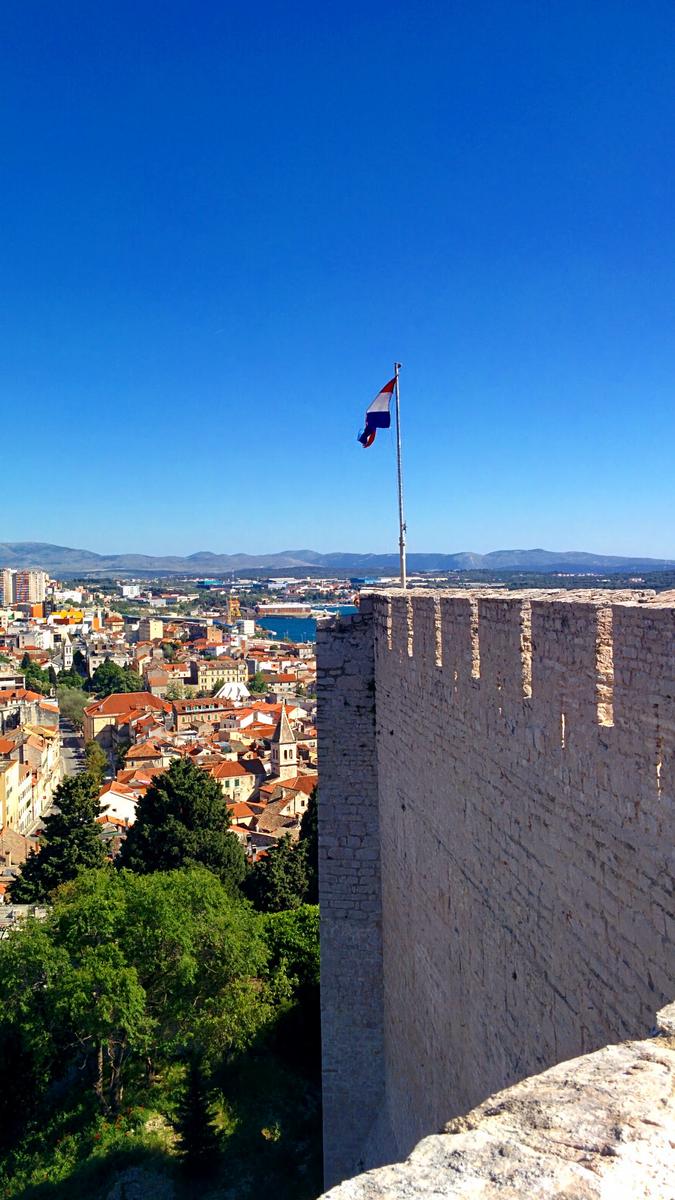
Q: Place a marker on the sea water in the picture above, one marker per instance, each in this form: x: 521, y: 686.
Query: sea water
x: 299, y: 629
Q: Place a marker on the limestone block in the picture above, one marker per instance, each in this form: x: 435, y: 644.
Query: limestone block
x: 595, y: 1128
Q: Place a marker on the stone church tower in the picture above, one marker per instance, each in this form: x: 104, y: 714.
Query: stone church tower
x: 284, y: 750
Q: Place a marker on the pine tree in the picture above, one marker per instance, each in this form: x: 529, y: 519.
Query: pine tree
x: 309, y: 843
x: 80, y: 664
x: 279, y: 880
x: 288, y: 875
x: 183, y: 821
x: 194, y: 1124
x: 71, y: 842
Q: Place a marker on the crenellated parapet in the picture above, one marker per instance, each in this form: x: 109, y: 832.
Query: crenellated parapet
x: 570, y: 665
x: 497, y: 778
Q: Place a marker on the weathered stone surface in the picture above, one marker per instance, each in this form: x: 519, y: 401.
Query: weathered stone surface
x: 349, y: 870
x: 600, y: 1127
x: 507, y: 763
x: 665, y: 1020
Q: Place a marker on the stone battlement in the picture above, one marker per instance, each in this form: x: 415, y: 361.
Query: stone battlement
x: 496, y: 847
x: 576, y: 660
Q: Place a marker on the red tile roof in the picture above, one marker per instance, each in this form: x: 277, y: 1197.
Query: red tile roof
x: 227, y: 770
x: 122, y: 703
x: 117, y: 788
x: 18, y: 694
x: 143, y: 750
x: 301, y: 783
x: 240, y: 810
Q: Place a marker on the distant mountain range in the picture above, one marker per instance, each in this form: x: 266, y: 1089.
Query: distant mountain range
x: 65, y: 561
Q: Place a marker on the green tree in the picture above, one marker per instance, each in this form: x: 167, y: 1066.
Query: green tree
x: 20, y: 1084
x: 278, y: 880
x: 71, y: 842
x: 72, y: 703
x: 288, y: 875
x: 109, y: 677
x: 29, y: 967
x: 257, y: 683
x: 37, y: 680
x: 98, y: 999
x: 197, y: 1134
x: 309, y: 844
x: 70, y: 679
x: 133, y: 680
x: 197, y: 949
x: 120, y: 756
x: 183, y: 821
x: 80, y: 664
x: 97, y: 761
x: 293, y: 941
x: 175, y: 690
x: 129, y: 973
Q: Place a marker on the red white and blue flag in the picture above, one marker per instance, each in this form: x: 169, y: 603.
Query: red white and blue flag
x: 378, y: 415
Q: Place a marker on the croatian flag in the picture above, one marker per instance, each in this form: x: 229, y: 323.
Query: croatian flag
x: 377, y: 414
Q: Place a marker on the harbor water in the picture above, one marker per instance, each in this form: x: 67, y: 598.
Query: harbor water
x: 299, y: 629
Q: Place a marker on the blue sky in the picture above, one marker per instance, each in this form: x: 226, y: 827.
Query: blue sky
x: 221, y: 222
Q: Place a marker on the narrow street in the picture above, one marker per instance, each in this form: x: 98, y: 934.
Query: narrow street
x: 72, y: 748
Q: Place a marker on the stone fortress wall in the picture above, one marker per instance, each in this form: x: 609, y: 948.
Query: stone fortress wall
x: 496, y: 848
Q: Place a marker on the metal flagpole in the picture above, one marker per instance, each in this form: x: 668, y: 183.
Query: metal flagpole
x: 401, y: 521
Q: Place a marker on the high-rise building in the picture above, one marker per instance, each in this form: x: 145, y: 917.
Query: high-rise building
x: 37, y: 586
x: 20, y: 587
x: 6, y: 586
x: 23, y: 587
x: 30, y: 587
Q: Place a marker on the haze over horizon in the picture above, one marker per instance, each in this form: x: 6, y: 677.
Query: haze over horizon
x: 222, y: 224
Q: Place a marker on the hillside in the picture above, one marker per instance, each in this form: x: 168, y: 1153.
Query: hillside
x: 66, y: 560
